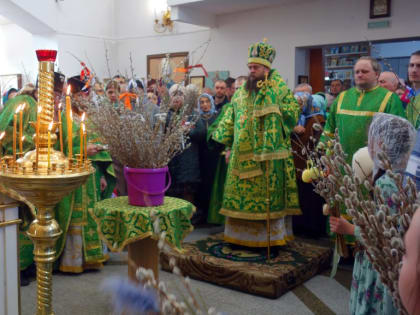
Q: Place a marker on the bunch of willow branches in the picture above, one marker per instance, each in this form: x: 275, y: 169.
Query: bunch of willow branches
x: 382, y: 228
x: 147, y: 136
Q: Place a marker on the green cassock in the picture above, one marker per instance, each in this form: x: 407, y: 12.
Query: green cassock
x: 413, y: 111
x: 351, y: 113
x: 257, y: 127
x: 6, y: 124
x: 216, y: 197
x: 74, y: 209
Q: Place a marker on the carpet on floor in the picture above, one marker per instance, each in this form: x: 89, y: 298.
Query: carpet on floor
x: 246, y: 269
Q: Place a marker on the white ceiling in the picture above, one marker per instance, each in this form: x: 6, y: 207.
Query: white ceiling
x: 220, y: 7
x: 4, y: 21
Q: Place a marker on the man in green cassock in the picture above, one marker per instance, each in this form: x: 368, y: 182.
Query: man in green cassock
x: 413, y: 107
x: 260, y: 182
x: 79, y: 248
x: 353, y: 110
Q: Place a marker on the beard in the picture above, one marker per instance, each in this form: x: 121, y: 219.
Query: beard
x: 251, y: 84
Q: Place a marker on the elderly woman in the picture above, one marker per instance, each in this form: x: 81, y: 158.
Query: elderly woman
x: 185, y: 168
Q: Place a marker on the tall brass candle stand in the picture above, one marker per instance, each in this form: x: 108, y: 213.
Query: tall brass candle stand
x: 44, y: 182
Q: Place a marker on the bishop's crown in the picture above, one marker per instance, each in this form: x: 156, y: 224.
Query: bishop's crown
x: 261, y: 53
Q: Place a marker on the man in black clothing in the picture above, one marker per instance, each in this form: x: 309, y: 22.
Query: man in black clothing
x: 220, y: 97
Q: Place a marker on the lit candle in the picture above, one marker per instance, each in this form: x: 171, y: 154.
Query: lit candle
x: 14, y: 132
x: 22, y: 107
x: 50, y: 126
x: 22, y: 140
x: 81, y: 137
x: 60, y: 128
x: 85, y: 141
x: 38, y: 120
x: 1, y: 139
x: 69, y: 118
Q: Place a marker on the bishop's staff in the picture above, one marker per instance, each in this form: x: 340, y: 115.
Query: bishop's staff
x: 267, y: 177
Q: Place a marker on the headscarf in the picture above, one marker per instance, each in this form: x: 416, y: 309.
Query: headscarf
x: 212, y: 108
x: 312, y: 105
x: 392, y: 135
x: 6, y: 95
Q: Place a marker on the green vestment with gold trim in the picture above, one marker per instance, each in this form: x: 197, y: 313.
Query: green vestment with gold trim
x: 257, y: 127
x: 413, y: 111
x: 351, y: 113
x: 73, y: 212
x: 26, y: 246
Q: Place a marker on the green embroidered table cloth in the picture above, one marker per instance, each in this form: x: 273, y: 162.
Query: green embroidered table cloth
x: 120, y: 223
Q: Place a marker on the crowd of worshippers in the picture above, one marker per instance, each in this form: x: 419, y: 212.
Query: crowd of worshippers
x: 199, y: 172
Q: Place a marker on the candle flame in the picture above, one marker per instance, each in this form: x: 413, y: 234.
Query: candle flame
x: 23, y: 138
x: 39, y: 109
x: 18, y: 109
x: 68, y: 89
x: 83, y: 128
x: 50, y: 126
x: 2, y: 135
x: 83, y: 116
x: 59, y: 106
x: 23, y: 106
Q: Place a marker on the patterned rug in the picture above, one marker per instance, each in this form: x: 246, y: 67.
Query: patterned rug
x: 246, y: 269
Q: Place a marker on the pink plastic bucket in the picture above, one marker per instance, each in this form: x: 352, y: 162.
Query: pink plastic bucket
x: 146, y: 186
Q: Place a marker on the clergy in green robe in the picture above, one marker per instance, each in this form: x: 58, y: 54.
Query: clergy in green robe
x: 26, y: 247
x: 353, y: 110
x: 216, y: 196
x: 79, y: 248
x: 260, y: 183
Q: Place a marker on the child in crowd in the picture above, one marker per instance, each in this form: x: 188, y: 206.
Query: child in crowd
x: 395, y: 137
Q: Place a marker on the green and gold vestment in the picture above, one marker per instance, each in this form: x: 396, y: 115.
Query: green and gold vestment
x: 257, y: 127
x: 413, y: 111
x: 73, y: 212
x: 26, y: 247
x: 351, y: 113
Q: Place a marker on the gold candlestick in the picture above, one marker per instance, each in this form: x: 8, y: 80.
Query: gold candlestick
x: 37, y: 181
x: 38, y: 120
x: 49, y: 144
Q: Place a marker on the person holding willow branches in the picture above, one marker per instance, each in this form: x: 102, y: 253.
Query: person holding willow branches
x: 352, y: 111
x: 395, y: 137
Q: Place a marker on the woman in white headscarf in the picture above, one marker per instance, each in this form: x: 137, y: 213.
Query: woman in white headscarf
x: 394, y: 136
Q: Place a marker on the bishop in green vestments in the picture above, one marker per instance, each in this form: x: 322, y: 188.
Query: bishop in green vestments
x: 260, y: 181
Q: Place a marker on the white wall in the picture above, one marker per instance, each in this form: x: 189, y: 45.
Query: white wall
x: 80, y: 27
x: 127, y: 26
x: 303, y: 23
x: 20, y: 57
